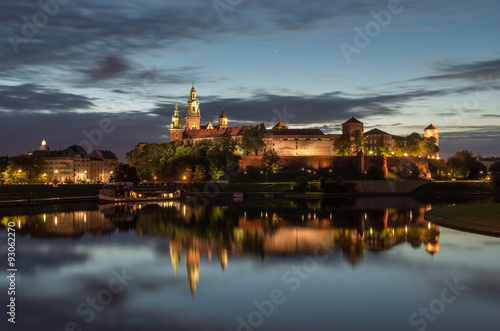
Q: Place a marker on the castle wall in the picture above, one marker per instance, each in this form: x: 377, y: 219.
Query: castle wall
x: 311, y: 162
x: 303, y: 146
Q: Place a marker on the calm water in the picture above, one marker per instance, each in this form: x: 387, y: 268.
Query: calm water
x: 363, y: 264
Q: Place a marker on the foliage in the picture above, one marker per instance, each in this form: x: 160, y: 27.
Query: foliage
x: 399, y: 148
x: 418, y: 146
x: 25, y: 169
x: 252, y: 142
x: 199, y: 173
x: 455, y: 168
x: 495, y: 172
x: 125, y: 173
x: 301, y: 184
x: 271, y: 162
x: 221, y: 156
x: 342, y: 145
x: 358, y: 141
x: 173, y: 161
x: 467, y: 159
x: 336, y: 186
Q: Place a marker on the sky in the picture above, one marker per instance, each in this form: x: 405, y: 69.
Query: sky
x: 107, y: 74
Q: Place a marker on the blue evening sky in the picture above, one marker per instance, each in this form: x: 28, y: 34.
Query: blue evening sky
x: 66, y: 67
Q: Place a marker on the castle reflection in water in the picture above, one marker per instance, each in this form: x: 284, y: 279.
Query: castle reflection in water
x: 259, y: 228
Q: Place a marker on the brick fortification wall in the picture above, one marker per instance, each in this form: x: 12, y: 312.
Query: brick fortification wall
x: 359, y: 163
x: 311, y: 162
x: 301, y: 147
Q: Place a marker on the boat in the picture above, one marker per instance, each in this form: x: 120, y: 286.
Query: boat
x: 128, y: 192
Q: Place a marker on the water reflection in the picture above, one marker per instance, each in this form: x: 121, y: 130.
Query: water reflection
x: 257, y: 228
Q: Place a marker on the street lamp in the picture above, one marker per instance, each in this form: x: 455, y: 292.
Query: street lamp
x: 18, y: 176
x: 55, y: 172
x: 365, y: 175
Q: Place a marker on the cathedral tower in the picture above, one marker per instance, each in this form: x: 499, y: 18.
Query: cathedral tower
x: 176, y: 126
x: 223, y: 121
x: 193, y: 116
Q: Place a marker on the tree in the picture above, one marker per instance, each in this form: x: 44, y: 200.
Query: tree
x: 301, y: 184
x: 429, y: 147
x: 125, y: 173
x: 358, y: 141
x: 418, y: 146
x: 342, y: 144
x: 476, y: 168
x: 221, y: 156
x: 252, y: 142
x: 495, y: 172
x: 414, y: 144
x: 455, y: 167
x: 199, y: 173
x: 25, y: 168
x: 271, y: 162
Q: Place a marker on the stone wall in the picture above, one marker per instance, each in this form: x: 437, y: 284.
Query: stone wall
x: 301, y: 146
x: 310, y: 162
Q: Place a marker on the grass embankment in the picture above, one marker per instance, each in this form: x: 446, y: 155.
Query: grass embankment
x: 483, y: 219
x: 488, y: 215
x: 15, y: 192
x: 457, y: 188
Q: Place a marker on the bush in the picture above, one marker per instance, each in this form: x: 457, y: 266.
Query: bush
x: 495, y: 173
x: 301, y: 184
x: 336, y: 186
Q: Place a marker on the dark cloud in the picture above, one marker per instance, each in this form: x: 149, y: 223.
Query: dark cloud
x: 483, y: 72
x: 34, y: 98
x: 107, y: 68
x: 305, y: 109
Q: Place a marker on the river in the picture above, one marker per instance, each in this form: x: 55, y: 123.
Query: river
x: 369, y: 263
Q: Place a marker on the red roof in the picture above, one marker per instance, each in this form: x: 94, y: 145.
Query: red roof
x: 431, y: 127
x: 218, y: 132
x: 280, y: 125
x: 353, y: 120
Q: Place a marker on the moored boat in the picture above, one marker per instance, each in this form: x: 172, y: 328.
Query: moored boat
x: 128, y: 192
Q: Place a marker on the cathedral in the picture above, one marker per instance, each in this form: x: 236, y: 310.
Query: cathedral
x: 280, y: 138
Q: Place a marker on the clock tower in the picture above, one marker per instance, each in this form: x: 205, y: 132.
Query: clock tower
x: 193, y: 116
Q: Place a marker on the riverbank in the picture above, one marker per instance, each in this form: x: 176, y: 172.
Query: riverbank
x: 32, y: 195
x: 481, y: 219
x: 369, y: 187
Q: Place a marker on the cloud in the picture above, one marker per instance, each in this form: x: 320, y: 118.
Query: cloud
x: 484, y: 72
x: 107, y: 68
x: 34, y: 98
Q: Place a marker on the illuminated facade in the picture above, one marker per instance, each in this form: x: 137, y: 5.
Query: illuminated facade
x: 281, y: 139
x: 74, y: 165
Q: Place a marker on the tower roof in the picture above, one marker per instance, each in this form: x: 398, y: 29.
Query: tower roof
x: 280, y: 125
x: 353, y: 120
x: 375, y: 131
x: 431, y: 127
x: 43, y: 146
x: 223, y: 114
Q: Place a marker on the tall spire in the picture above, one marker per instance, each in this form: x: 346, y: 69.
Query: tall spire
x: 193, y: 115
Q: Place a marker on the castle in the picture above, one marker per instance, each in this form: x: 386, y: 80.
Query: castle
x: 286, y: 142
